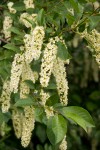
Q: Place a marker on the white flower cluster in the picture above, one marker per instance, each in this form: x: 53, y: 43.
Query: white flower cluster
x: 16, y: 72
x: 93, y: 39
x: 27, y: 74
x: 17, y: 122
x: 59, y: 73
x: 5, y: 97
x: 28, y: 4
x: 47, y: 62
x: 28, y: 125
x: 49, y: 111
x: 28, y: 118
x: 33, y: 44
x: 25, y: 16
x: 63, y: 145
x: 44, y: 96
x: 11, y: 9
x: 7, y: 24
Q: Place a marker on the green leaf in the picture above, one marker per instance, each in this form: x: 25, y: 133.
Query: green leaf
x: 12, y: 47
x: 94, y: 21
x: 40, y: 17
x: 51, y: 86
x: 19, y: 6
x: 70, y: 18
x: 16, y: 31
x: 41, y: 133
x: 1, y: 118
x: 30, y: 84
x: 56, y: 129
x: 62, y: 51
x: 31, y: 22
x: 39, y: 147
x: 24, y: 102
x: 4, y: 117
x: 79, y: 115
x: 74, y: 5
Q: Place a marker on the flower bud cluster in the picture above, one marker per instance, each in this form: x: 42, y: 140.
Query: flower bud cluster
x: 7, y: 24
x: 5, y: 97
x: 29, y: 4
x: 49, y: 111
x: 17, y: 122
x: 25, y: 18
x: 63, y: 145
x: 93, y: 39
x: 11, y: 9
x: 44, y: 96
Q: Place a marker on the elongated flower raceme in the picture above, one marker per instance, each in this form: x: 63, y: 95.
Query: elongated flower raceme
x: 28, y: 117
x: 17, y: 122
x: 33, y: 44
x: 93, y: 39
x: 27, y: 74
x: 29, y: 4
x: 10, y: 7
x: 7, y: 24
x: 63, y: 145
x: 59, y: 73
x: 28, y: 125
x: 47, y: 62
x: 37, y: 41
x: 16, y: 71
x: 5, y: 97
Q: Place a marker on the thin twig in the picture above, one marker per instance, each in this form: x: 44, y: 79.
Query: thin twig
x: 3, y: 40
